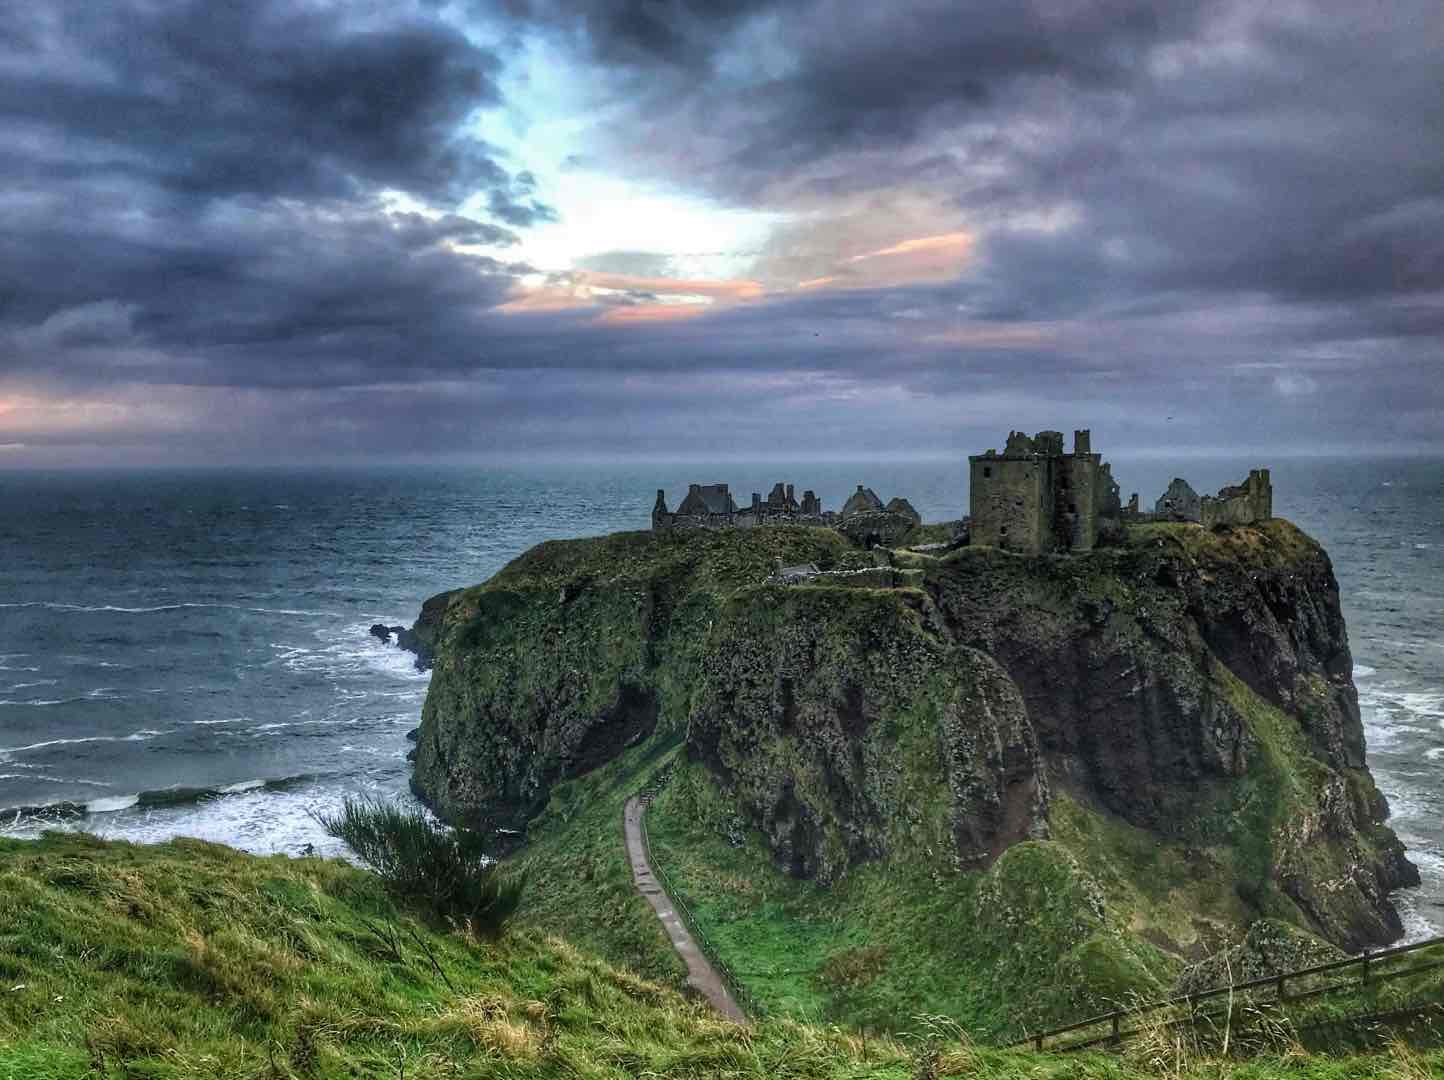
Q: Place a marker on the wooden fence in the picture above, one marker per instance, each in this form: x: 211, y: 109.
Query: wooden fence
x: 1373, y: 968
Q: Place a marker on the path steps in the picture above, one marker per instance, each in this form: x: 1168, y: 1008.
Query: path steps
x: 701, y: 975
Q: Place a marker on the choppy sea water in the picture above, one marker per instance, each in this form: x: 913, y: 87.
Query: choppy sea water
x: 186, y: 653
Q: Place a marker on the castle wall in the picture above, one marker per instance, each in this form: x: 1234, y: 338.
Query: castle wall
x: 1250, y: 502
x: 1011, y: 502
x: 1078, y: 497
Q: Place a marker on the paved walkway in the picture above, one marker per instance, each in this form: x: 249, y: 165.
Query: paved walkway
x: 701, y: 975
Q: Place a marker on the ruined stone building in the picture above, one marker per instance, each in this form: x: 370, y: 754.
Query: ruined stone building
x: 862, y: 501
x: 711, y: 506
x: 1240, y: 504
x: 1243, y: 504
x: 1034, y: 497
x: 1179, y: 503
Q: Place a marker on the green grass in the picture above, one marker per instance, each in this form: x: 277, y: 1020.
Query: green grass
x: 423, y: 861
x: 1020, y: 945
x: 579, y: 882
x: 188, y: 960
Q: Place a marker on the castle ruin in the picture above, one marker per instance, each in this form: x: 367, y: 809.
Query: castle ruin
x: 864, y: 517
x: 1239, y: 504
x: 711, y: 506
x: 1034, y: 497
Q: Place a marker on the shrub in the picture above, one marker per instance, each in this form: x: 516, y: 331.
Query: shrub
x: 426, y: 862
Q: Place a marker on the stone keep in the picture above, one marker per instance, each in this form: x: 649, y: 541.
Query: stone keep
x: 1034, y: 497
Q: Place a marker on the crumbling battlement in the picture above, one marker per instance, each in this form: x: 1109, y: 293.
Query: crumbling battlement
x: 864, y: 517
x: 1243, y: 504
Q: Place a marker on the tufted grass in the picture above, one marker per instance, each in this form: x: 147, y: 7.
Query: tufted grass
x: 420, y: 860
x: 189, y: 960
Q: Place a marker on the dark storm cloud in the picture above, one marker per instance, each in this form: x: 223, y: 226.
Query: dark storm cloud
x: 278, y: 296
x: 675, y: 33
x: 192, y: 192
x: 1214, y: 224
x: 1292, y: 149
x: 207, y: 100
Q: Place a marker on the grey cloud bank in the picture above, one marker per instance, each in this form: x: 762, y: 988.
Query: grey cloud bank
x: 1207, y: 224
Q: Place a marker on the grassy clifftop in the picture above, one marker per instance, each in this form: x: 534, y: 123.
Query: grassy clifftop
x: 190, y: 961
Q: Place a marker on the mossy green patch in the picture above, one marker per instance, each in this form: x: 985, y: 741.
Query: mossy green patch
x: 1023, y: 944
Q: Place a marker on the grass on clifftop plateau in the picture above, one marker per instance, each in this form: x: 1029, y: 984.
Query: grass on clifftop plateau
x: 188, y: 960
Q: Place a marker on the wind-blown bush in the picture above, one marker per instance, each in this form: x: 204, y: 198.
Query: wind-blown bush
x: 422, y: 860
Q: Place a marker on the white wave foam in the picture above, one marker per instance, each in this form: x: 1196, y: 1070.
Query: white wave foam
x: 255, y: 819
x: 349, y: 651
x: 52, y: 606
x: 135, y: 736
x: 1424, y: 703
x: 277, y: 725
x: 228, y: 720
x: 1424, y: 854
x: 121, y: 609
x: 1416, y: 926
x: 37, y: 682
x: 50, y: 779
x: 1363, y: 671
x: 112, y: 804
x: 3, y: 667
x: 244, y: 785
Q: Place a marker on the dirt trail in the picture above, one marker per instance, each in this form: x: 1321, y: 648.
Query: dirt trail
x: 700, y: 973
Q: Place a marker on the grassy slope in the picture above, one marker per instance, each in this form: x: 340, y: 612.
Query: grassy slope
x: 1022, y: 944
x: 190, y: 960
x: 579, y: 882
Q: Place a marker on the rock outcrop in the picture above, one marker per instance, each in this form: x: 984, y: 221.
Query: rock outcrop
x: 1191, y: 683
x: 420, y: 638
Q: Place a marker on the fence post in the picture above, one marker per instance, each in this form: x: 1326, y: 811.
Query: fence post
x: 1038, y: 1042
x: 1116, y: 1037
x: 1282, y: 994
x: 1365, y: 967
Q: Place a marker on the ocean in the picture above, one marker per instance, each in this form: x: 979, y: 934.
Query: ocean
x: 187, y: 652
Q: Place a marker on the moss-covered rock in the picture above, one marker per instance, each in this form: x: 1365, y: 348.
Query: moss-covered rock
x: 1184, y: 696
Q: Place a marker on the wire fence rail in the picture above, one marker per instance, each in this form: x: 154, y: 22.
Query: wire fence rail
x: 1373, y: 970
x: 744, y: 997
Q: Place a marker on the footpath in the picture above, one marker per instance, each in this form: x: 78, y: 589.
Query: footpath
x: 701, y: 975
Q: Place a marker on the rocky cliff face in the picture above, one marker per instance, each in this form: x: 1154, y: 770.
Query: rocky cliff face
x: 1189, y: 683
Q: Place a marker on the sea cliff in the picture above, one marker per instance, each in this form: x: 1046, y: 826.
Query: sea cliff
x: 1186, y: 689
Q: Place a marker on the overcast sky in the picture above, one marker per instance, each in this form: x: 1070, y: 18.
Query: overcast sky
x: 255, y: 231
